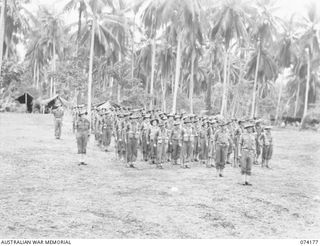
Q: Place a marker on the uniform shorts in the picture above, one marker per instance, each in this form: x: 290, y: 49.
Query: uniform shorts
x: 82, y: 140
x: 267, y: 152
x: 221, y: 156
x: 247, y: 159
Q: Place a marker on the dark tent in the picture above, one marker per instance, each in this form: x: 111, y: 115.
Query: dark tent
x: 27, y: 99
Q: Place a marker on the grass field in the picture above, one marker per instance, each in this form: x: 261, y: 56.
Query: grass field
x: 44, y: 193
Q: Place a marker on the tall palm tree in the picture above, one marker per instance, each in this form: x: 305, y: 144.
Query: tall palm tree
x: 81, y: 5
x: 266, y: 27
x: 310, y: 43
x: 231, y: 19
x: 101, y: 36
x: 2, y: 28
x: 286, y: 55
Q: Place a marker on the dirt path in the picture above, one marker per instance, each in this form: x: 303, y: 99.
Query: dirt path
x: 44, y: 193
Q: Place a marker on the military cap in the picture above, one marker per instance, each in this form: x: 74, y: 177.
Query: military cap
x: 248, y: 125
x: 223, y: 123
x: 134, y: 117
x: 83, y: 112
x: 164, y: 117
x: 154, y: 119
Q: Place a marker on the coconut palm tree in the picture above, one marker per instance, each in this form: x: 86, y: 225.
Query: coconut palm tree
x: 264, y: 32
x: 81, y: 5
x: 310, y: 43
x: 100, y: 29
x: 230, y: 19
x: 2, y: 28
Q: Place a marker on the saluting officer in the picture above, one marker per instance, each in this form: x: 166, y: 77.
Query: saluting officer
x: 58, y: 117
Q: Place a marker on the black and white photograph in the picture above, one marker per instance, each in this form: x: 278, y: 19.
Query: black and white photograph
x: 159, y: 119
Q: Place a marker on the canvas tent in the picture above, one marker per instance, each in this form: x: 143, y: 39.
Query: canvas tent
x: 107, y: 105
x: 27, y: 99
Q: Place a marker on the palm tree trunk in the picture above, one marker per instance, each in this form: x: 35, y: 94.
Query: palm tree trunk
x: 118, y: 85
x: 305, y: 110
x: 2, y: 28
x: 228, y: 82
x: 35, y: 74
x: 237, y: 93
x: 53, y: 65
x: 191, y: 81
x: 224, y: 89
x: 255, y: 83
x: 132, y: 47
x: 79, y: 29
x: 177, y: 74
x: 153, y: 61
x: 279, y: 100
x: 297, y: 101
x: 90, y: 69
x: 38, y: 76
x: 163, y: 87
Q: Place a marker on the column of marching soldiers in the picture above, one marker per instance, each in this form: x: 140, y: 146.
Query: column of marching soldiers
x: 180, y: 139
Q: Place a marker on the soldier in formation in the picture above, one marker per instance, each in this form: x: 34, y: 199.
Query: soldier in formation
x: 179, y: 139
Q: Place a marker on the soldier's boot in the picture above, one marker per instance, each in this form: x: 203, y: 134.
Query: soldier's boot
x: 244, y: 179
x: 159, y: 165
x: 221, y: 173
x: 267, y: 164
x: 248, y: 180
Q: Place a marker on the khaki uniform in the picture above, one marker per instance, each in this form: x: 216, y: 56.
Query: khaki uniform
x: 187, y: 145
x: 248, y: 151
x: 82, y: 127
x: 58, y: 116
x: 222, y: 141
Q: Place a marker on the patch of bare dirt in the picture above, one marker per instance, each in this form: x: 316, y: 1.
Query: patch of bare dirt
x: 44, y: 193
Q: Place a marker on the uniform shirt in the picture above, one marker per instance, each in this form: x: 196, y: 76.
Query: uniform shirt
x: 153, y: 133
x: 83, y: 125
x: 222, y: 137
x: 163, y: 136
x: 266, y: 139
x: 133, y: 132
x: 248, y: 141
x: 203, y: 133
x: 58, y: 113
x: 187, y: 134
x: 176, y: 134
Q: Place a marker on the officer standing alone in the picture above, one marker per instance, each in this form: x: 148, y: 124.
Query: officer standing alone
x: 58, y: 117
x: 82, y: 135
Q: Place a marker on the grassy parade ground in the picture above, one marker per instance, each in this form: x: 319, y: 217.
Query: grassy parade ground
x: 44, y: 193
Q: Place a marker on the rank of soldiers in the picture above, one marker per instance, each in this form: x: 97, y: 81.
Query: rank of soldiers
x: 179, y: 139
